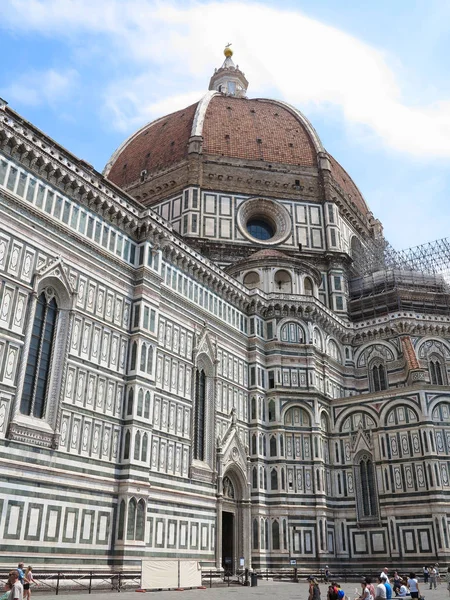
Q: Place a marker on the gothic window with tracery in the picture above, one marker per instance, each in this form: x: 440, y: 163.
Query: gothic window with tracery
x: 436, y: 367
x: 37, y: 373
x: 378, y: 377
x: 121, y: 525
x: 292, y: 333
x: 367, y: 500
x: 200, y: 406
x: 255, y: 534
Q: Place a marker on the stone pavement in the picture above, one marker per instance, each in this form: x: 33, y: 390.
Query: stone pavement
x: 265, y: 590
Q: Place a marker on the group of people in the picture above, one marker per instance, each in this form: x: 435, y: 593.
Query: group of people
x: 18, y: 585
x: 386, y: 587
x: 399, y: 586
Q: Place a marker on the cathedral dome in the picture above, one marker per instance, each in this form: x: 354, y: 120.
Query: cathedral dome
x: 267, y: 134
x: 257, y: 129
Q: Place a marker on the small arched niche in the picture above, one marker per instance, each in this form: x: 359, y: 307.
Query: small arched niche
x: 252, y: 280
x: 283, y: 282
x: 308, y: 287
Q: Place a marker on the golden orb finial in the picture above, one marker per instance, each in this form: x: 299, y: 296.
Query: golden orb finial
x: 228, y: 51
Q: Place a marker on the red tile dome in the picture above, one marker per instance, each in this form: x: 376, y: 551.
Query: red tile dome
x: 267, y: 131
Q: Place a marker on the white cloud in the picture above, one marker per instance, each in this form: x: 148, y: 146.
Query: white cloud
x: 283, y: 52
x: 34, y: 88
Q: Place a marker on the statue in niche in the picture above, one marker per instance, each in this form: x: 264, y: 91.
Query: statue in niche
x: 228, y: 489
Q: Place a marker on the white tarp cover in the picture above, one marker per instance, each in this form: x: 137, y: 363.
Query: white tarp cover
x: 190, y: 573
x: 157, y: 574
x: 166, y: 573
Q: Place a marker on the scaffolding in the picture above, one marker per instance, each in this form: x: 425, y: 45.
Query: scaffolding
x: 385, y: 280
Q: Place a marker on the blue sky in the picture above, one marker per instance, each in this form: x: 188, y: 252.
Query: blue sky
x: 373, y: 77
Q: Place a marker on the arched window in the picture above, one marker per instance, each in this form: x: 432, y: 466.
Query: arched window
x: 272, y: 411
x: 130, y: 402
x: 377, y: 376
x: 137, y: 446
x: 147, y: 405
x: 255, y: 477
x: 293, y: 333
x: 140, y: 403
x: 254, y: 448
x: 121, y: 525
x: 143, y: 357
x: 308, y: 287
x: 253, y: 408
x: 334, y: 351
x: 150, y: 360
x: 37, y: 373
x: 133, y: 356
x: 131, y: 521
x: 283, y: 282
x: 367, y: 501
x: 283, y: 479
x: 140, y: 521
x: 255, y: 534
x: 126, y: 450
x: 200, y: 406
x: 144, y: 448
x: 273, y: 479
x: 266, y: 529
x: 273, y: 446
x: 251, y: 280
x: 275, y: 535
x: 437, y: 370
x: 281, y: 445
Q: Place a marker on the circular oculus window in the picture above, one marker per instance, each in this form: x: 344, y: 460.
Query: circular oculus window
x: 263, y: 221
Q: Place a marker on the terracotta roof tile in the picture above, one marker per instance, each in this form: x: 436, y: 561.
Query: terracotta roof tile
x: 256, y: 130
x: 158, y: 146
x: 348, y: 186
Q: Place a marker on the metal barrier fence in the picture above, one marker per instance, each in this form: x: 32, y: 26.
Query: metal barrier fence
x: 70, y: 580
x: 83, y: 581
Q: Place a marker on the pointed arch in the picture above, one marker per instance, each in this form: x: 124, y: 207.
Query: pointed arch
x: 140, y: 403
x: 121, y: 520
x: 46, y: 333
x: 143, y: 363
x: 131, y: 519
x: 130, y: 402
x: 137, y: 445
x: 140, y: 521
x: 366, y: 490
x: 144, y: 448
x: 147, y: 405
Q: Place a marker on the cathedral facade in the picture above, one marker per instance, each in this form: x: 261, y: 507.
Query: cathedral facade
x: 191, y: 363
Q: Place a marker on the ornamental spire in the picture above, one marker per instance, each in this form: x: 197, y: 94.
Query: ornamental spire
x: 229, y: 79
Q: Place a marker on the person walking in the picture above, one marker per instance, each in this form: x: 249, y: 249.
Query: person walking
x: 366, y: 593
x: 314, y: 590
x: 27, y: 581
x: 16, y: 592
x: 426, y: 574
x: 397, y: 583
x: 20, y: 568
x: 380, y: 591
x: 388, y: 587
x: 413, y: 585
x: 433, y: 577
